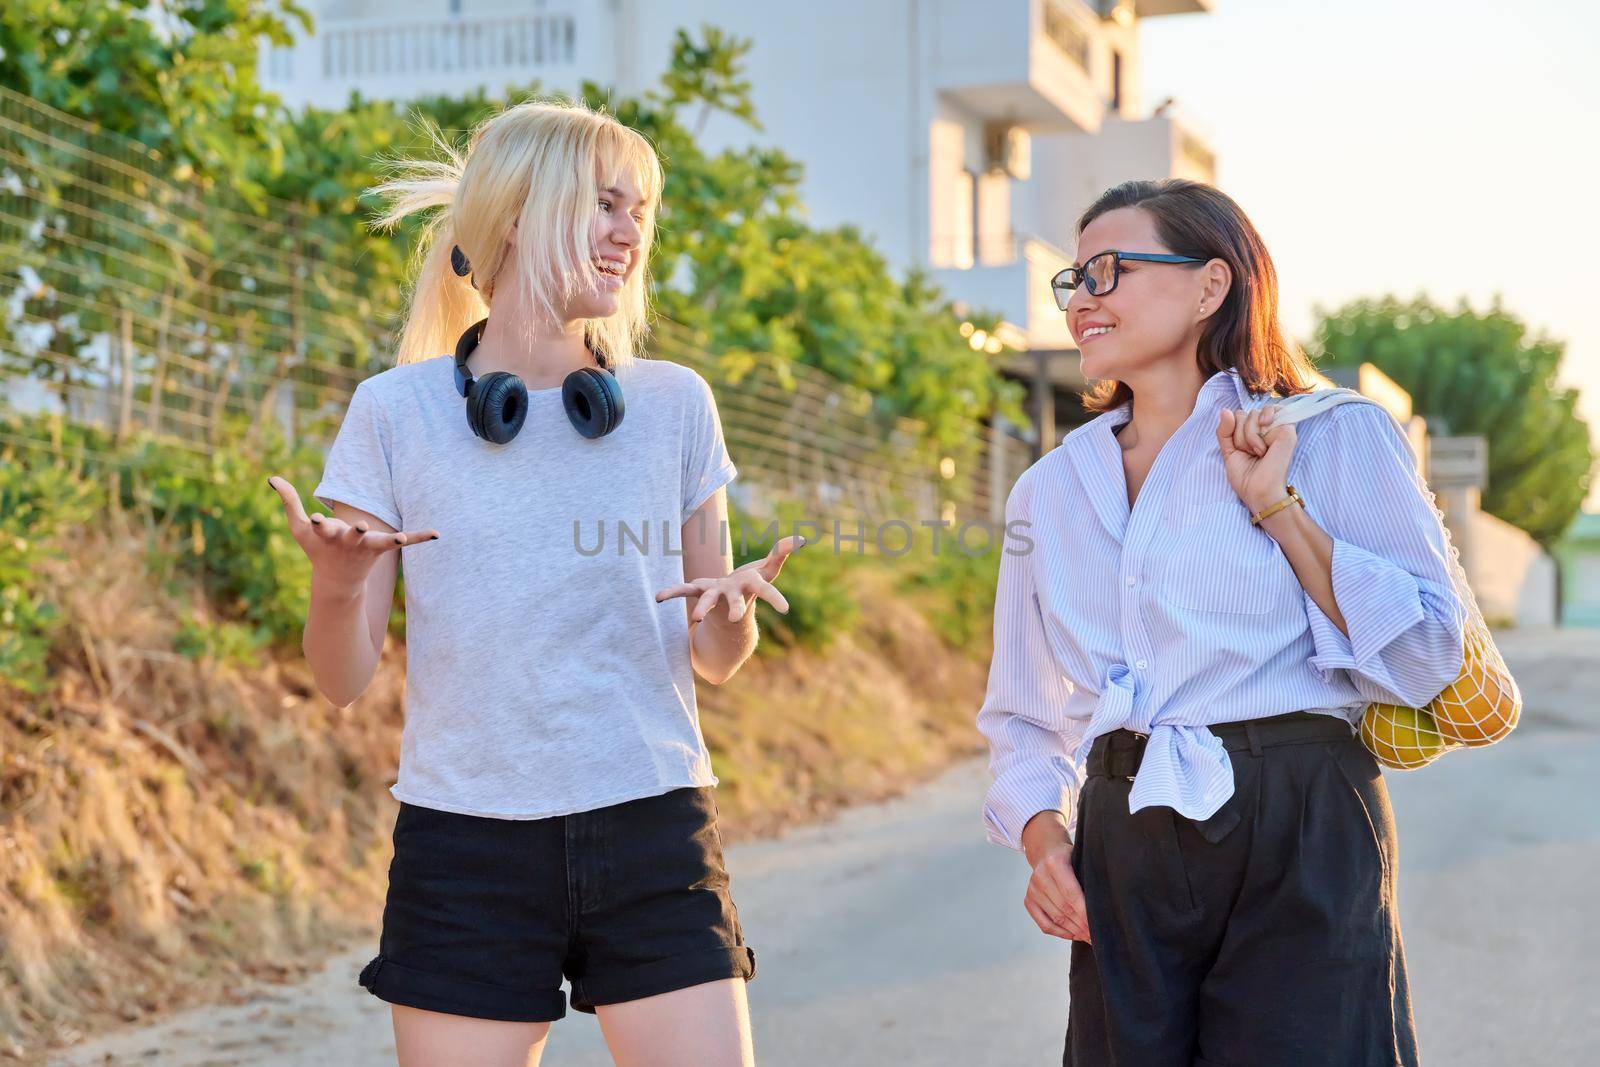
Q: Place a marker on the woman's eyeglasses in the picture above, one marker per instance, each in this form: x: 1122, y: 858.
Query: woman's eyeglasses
x: 1100, y: 274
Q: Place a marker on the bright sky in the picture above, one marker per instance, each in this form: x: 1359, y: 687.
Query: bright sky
x: 1447, y: 147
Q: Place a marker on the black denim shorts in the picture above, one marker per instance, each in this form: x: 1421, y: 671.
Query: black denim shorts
x: 484, y: 916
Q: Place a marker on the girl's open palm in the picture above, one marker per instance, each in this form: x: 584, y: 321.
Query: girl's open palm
x: 339, y: 551
x: 740, y: 589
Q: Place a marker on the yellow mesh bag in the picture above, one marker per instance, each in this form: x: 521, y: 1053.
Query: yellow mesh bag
x: 1483, y: 704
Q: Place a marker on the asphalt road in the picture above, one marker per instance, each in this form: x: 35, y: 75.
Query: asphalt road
x: 895, y: 934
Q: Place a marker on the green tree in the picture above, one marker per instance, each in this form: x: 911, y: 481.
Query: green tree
x: 1480, y: 373
x: 179, y: 76
x: 151, y: 90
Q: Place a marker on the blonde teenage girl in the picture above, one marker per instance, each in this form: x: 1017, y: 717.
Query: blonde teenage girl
x: 553, y: 493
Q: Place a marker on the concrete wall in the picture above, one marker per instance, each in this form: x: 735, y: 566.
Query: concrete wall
x: 1511, y: 576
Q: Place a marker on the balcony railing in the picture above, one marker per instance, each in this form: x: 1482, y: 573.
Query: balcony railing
x: 464, y: 44
x: 349, y: 49
x: 988, y: 250
x: 1027, y: 64
x: 961, y: 251
x: 1191, y: 141
x: 1197, y: 151
x: 1065, y: 31
x: 1009, y: 274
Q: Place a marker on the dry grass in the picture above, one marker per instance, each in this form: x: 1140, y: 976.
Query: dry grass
x: 168, y: 826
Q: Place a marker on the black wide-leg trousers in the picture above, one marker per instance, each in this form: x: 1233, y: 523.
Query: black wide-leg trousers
x: 1266, y: 936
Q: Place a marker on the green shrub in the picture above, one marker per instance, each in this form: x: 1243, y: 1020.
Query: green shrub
x: 231, y: 522
x: 227, y: 526
x: 221, y: 640
x: 43, y: 493
x: 960, y: 586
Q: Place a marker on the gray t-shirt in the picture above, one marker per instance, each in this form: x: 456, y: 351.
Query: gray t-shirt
x: 542, y: 677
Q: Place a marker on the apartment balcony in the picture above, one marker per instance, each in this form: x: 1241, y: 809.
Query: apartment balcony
x: 1071, y: 170
x: 1172, y: 143
x: 403, y: 56
x: 1024, y: 63
x: 1150, y: 8
x: 1010, y: 275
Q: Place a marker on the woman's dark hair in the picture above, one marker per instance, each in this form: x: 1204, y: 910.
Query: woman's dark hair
x: 1196, y: 219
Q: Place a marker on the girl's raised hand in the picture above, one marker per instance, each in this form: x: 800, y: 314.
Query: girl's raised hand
x: 339, y: 552
x: 740, y: 589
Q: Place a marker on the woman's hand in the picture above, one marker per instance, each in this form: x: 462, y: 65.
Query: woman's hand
x: 1054, y: 899
x: 1256, y: 455
x: 740, y: 589
x: 341, y: 555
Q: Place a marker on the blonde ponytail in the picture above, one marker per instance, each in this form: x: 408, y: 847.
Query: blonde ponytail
x: 441, y: 304
x: 534, y: 164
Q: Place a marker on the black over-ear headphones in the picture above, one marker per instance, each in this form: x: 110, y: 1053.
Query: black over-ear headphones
x: 497, y: 403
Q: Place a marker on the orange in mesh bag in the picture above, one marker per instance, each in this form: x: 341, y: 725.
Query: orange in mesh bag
x: 1483, y: 704
x: 1480, y: 707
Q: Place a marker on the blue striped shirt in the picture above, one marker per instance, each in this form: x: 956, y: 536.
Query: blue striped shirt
x: 1179, y: 614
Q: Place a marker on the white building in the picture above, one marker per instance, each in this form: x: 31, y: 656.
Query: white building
x: 962, y: 136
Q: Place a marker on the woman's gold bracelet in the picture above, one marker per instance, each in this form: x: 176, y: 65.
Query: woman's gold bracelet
x: 1293, y: 498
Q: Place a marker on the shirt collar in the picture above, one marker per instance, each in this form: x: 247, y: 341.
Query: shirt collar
x: 1093, y: 451
x: 1228, y: 385
x: 1225, y: 387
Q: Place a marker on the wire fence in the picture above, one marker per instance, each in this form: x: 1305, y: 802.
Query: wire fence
x: 147, y: 305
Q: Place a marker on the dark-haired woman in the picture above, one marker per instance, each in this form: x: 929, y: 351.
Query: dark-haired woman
x: 1181, y: 656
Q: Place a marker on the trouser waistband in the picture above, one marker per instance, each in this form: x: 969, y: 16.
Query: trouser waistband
x: 1119, y: 752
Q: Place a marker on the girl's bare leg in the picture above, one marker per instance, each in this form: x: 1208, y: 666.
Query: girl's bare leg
x: 435, y: 1039
x: 703, y: 1026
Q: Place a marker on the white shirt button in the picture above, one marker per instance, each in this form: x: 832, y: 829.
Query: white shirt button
x: 1142, y: 664
x: 1131, y: 579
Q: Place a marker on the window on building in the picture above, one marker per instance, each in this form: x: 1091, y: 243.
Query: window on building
x: 952, y: 197
x: 991, y: 209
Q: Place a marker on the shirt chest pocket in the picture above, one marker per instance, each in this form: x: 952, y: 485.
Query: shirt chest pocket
x: 1222, y: 564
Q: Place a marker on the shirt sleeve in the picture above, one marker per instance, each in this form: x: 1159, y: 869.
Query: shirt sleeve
x: 706, y: 464
x: 1024, y: 712
x: 1391, y: 571
x: 359, y: 467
